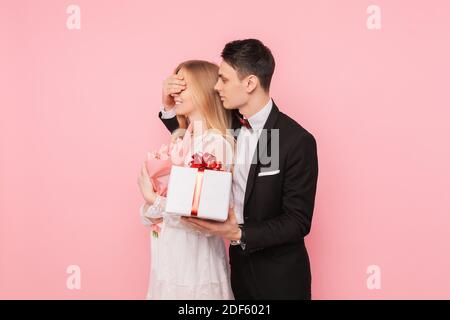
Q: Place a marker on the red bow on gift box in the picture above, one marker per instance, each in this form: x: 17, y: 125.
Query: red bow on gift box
x: 205, y: 161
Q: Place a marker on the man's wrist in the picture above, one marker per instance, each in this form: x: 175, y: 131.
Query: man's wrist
x: 166, y: 108
x: 167, y: 114
x: 237, y: 234
x: 241, y: 238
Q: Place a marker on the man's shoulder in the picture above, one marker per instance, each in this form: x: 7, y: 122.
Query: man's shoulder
x: 291, y: 130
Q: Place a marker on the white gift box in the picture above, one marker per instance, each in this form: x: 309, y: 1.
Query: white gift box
x: 214, y: 193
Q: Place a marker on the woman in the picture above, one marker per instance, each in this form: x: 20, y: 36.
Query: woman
x: 189, y: 264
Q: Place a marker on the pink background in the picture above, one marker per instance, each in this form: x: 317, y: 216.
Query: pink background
x: 79, y: 111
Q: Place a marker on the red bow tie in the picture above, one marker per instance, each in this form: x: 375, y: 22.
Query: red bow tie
x: 244, y: 122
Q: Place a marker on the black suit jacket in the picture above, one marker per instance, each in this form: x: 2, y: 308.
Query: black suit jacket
x: 278, y: 211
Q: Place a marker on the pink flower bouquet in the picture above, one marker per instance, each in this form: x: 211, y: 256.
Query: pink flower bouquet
x: 158, y: 167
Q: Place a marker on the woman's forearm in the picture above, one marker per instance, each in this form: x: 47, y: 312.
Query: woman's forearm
x: 146, y: 206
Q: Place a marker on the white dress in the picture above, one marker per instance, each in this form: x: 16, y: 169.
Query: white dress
x: 187, y: 264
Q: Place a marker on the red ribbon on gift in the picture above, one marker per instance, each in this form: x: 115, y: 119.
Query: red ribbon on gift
x: 202, y: 161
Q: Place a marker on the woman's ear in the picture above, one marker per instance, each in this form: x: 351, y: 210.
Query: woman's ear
x: 252, y: 83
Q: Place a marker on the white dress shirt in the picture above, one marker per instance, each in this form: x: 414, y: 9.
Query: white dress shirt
x: 167, y: 114
x: 245, y: 148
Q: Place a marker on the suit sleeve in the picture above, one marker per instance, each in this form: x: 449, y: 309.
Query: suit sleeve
x: 299, y: 189
x: 170, y: 123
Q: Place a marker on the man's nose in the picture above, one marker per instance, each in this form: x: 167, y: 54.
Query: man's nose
x: 216, y: 87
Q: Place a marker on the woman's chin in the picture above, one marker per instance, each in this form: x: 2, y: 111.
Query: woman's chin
x: 179, y: 111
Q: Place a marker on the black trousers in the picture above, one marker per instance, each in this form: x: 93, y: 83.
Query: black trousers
x: 248, y: 284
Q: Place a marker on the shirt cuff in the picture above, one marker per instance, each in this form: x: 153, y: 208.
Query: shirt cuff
x: 167, y: 114
x: 145, y: 221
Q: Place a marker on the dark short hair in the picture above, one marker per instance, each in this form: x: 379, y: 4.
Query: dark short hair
x: 250, y: 56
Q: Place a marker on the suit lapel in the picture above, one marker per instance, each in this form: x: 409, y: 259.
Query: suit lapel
x: 270, y: 123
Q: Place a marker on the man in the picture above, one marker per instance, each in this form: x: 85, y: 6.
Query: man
x: 273, y: 200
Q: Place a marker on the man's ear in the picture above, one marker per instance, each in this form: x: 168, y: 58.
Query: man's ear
x: 252, y: 83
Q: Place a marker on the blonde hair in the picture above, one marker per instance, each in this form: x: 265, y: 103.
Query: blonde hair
x: 202, y: 77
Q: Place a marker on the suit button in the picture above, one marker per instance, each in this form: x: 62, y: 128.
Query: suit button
x: 245, y: 218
